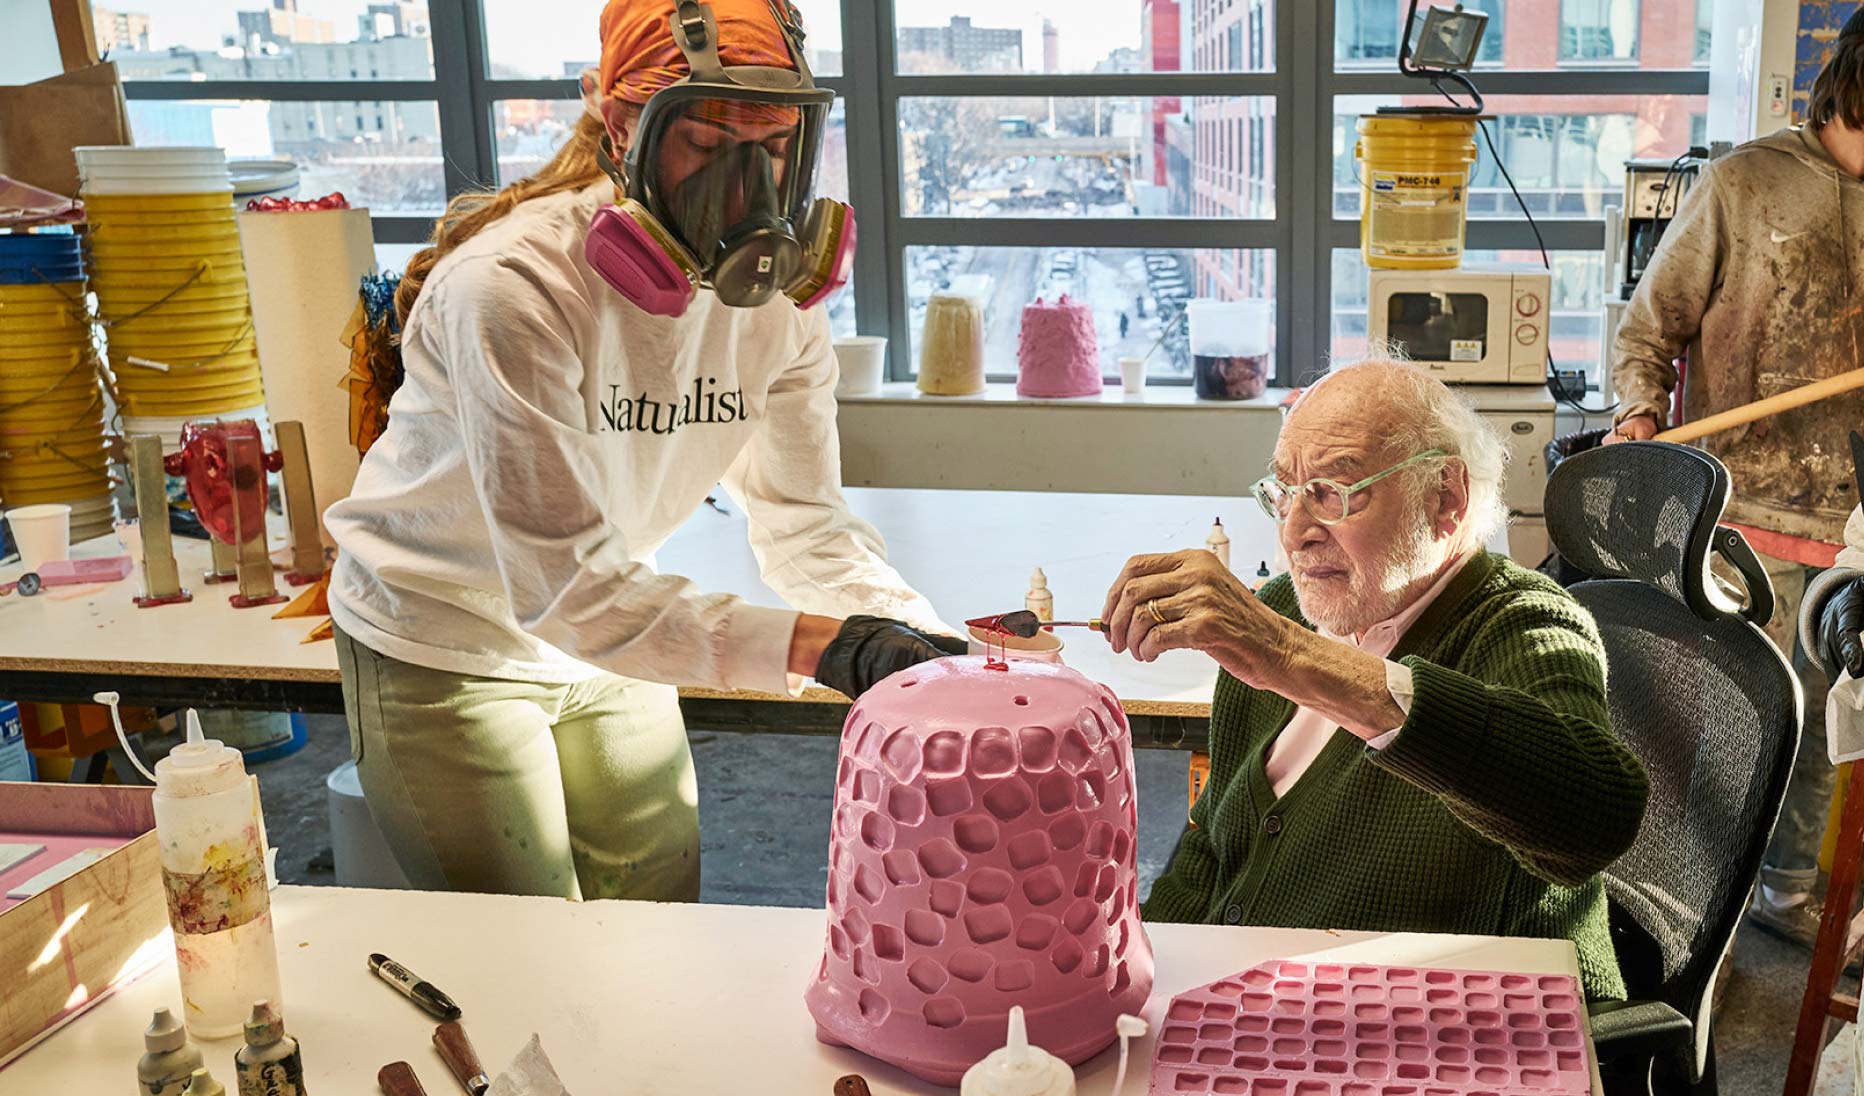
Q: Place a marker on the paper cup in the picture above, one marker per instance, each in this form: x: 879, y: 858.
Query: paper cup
x: 863, y: 361
x: 1041, y: 647
x: 1133, y: 375
x: 42, y: 534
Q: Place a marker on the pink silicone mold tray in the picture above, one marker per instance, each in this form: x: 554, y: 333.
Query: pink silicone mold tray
x: 1334, y: 1029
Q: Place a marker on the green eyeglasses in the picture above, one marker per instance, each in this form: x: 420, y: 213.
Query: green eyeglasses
x: 1328, y: 501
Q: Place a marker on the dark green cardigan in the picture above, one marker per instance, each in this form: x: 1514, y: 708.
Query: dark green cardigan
x: 1492, y: 812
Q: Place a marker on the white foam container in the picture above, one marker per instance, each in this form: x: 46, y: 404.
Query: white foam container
x: 41, y: 533
x: 169, y: 429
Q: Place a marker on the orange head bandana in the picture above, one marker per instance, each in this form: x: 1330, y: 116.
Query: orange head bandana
x: 640, y: 58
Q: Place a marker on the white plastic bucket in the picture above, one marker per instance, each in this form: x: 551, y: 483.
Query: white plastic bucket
x: 148, y: 156
x: 42, y: 534
x: 140, y: 184
x: 363, y: 858
x: 863, y: 361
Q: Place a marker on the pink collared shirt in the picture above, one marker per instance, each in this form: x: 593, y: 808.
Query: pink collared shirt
x: 1301, y: 741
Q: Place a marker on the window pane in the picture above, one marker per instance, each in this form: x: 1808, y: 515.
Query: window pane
x: 1109, y: 36
x: 554, y: 39
x: 1136, y: 293
x: 382, y: 155
x: 1598, y: 30
x: 1566, y: 153
x: 1576, y: 326
x: 1541, y: 34
x: 1365, y: 32
x: 1088, y: 157
x: 248, y: 40
x: 393, y: 258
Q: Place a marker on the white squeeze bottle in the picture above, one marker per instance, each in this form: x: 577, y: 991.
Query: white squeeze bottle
x: 213, y: 868
x: 1039, y: 600
x: 1018, y: 1069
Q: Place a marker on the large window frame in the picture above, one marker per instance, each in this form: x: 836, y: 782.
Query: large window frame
x: 1302, y: 235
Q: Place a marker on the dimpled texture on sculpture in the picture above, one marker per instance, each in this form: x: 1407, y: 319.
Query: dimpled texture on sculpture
x: 1293, y: 1028
x: 982, y: 855
x: 1057, y: 353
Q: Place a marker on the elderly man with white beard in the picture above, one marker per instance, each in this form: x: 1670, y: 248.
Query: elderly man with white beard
x: 1409, y: 732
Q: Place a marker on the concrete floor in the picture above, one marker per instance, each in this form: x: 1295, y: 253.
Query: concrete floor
x: 765, y: 802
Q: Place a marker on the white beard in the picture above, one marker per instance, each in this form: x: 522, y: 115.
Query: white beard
x: 1372, y: 594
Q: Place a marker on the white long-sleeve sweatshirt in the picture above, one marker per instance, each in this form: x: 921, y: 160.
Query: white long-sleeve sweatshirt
x: 548, y: 438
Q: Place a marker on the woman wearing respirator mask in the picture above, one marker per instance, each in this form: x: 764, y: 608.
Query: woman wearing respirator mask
x: 587, y: 353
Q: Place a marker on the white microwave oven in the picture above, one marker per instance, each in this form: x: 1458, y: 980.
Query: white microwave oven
x: 1474, y: 325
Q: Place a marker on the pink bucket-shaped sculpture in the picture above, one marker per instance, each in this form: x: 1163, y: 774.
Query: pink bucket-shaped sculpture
x: 982, y: 856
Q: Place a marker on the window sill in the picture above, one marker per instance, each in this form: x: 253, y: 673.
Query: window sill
x: 1176, y: 397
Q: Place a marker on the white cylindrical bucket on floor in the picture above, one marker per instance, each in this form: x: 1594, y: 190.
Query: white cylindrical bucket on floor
x: 362, y: 855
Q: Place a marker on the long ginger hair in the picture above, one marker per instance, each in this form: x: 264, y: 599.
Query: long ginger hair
x: 572, y: 168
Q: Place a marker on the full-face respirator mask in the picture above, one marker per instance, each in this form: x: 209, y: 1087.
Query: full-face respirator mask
x: 716, y: 189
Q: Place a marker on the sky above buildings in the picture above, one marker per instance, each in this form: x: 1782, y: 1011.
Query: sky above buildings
x: 538, y: 36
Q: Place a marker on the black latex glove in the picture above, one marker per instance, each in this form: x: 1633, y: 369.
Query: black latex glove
x: 868, y: 649
x: 1839, y: 624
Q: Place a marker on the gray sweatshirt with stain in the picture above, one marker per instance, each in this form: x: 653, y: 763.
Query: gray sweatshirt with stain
x: 1761, y: 278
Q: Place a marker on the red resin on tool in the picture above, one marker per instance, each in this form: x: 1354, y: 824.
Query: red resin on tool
x: 993, y: 626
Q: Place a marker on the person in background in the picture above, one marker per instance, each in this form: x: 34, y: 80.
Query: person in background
x: 1758, y: 278
x: 1409, y: 732
x: 508, y: 650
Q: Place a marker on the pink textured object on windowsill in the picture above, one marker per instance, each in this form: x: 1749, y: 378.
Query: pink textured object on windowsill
x: 982, y: 856
x: 1057, y: 353
x: 1355, y: 1029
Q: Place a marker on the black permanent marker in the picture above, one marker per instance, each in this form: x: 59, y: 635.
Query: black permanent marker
x: 423, y: 993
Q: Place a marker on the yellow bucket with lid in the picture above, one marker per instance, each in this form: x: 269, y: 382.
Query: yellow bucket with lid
x: 101, y: 207
x: 1413, y: 189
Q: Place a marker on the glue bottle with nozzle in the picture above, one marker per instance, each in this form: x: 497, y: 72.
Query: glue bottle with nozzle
x: 269, y: 1063
x: 1219, y: 543
x: 204, y: 1084
x: 170, y: 1060
x: 1018, y: 1069
x: 1039, y: 600
x: 208, y: 825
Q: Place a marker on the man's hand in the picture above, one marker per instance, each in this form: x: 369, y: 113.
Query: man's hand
x: 1199, y: 606
x: 1839, y: 623
x: 1635, y: 428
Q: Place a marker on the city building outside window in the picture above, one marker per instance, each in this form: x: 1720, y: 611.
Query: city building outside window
x: 1004, y: 148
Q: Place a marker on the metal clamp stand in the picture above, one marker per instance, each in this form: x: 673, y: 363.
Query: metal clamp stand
x: 307, y: 546
x: 161, y: 578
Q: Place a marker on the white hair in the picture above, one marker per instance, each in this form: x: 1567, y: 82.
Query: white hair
x: 1426, y: 414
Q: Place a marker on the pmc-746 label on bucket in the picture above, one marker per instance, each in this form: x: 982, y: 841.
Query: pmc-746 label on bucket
x: 1419, y: 215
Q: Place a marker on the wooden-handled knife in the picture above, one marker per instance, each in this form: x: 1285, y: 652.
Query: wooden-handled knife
x: 398, y: 1079
x: 456, y: 1049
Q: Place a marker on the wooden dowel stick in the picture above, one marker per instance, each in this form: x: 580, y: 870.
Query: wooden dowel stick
x: 1760, y: 409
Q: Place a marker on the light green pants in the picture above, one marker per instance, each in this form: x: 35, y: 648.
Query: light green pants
x: 479, y: 784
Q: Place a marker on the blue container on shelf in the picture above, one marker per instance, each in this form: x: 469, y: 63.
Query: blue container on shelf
x: 30, y: 259
x: 15, y: 762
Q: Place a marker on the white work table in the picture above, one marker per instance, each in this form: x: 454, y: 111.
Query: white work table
x: 971, y: 552
x: 629, y: 998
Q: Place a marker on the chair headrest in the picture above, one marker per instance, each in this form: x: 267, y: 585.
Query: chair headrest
x: 1648, y: 511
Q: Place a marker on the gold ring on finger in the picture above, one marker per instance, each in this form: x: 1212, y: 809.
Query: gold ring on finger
x: 1152, y: 607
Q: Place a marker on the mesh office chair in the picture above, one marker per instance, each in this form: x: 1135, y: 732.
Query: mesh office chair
x: 1706, y: 701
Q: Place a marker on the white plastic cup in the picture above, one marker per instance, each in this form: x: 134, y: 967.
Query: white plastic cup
x: 1133, y: 375
x: 1044, y: 646
x: 42, y: 534
x: 863, y: 361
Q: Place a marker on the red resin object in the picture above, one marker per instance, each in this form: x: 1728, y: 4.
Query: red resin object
x: 206, y: 462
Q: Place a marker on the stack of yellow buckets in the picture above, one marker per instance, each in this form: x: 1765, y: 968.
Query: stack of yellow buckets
x: 171, y: 286
x: 52, y: 448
